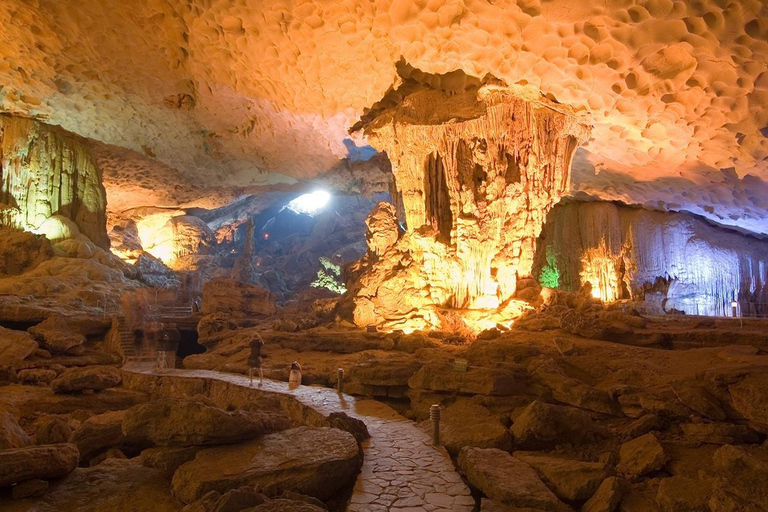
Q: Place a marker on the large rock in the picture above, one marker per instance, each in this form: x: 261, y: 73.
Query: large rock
x: 187, y: 422
x: 607, y: 496
x: 15, y: 346
x: 573, y: 392
x: 503, y: 381
x: 682, y: 494
x: 466, y: 423
x: 641, y: 456
x: 741, y: 480
x: 53, y: 431
x: 21, y: 250
x: 571, y: 480
x: 98, y: 433
x: 57, y: 336
x: 93, y: 378
x: 750, y: 398
x: 36, y: 376
x: 11, y: 434
x: 236, y: 299
x: 719, y: 433
x: 501, y: 477
x: 167, y: 459
x: 543, y: 425
x: 312, y: 461
x: 37, y: 462
x: 283, y: 505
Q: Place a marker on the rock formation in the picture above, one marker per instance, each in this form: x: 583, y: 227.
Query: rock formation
x: 475, y: 173
x: 49, y: 180
x: 675, y: 261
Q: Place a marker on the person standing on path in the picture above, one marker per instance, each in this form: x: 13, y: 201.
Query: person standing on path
x: 254, y: 359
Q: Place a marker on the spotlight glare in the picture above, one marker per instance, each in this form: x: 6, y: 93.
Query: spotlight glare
x: 310, y: 204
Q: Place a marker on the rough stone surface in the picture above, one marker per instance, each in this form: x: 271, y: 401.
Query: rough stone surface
x: 283, y: 505
x: 94, y: 378
x: 56, y: 335
x: 37, y: 462
x: 465, y: 423
x: 682, y: 494
x: 98, y: 433
x: 750, y: 398
x: 313, y: 461
x: 741, y: 480
x: 641, y: 455
x: 501, y: 477
x: 36, y: 376
x: 236, y: 299
x: 29, y: 489
x: 543, y: 425
x: 187, y: 422
x: 167, y: 459
x: 607, y: 496
x: 11, y: 434
x: 53, y: 431
x: 570, y: 480
x: 15, y: 346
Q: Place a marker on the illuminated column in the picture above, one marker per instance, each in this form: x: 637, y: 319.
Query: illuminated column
x: 476, y: 174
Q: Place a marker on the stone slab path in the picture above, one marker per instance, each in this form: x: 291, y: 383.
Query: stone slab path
x: 401, y: 471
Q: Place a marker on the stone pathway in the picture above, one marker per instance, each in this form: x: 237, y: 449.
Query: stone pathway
x: 402, y: 471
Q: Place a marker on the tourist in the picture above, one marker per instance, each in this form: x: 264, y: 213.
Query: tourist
x: 254, y: 359
x: 294, y: 377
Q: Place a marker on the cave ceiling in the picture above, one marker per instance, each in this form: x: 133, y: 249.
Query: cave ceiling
x: 205, y: 98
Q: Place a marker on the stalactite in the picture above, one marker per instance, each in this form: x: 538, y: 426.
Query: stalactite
x: 477, y: 173
x: 47, y: 172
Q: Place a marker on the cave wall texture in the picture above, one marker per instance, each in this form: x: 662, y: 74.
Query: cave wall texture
x: 247, y: 93
x: 49, y: 181
x: 629, y: 252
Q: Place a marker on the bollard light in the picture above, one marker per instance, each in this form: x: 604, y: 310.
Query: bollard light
x: 434, y: 415
x: 734, y: 305
x: 339, y: 379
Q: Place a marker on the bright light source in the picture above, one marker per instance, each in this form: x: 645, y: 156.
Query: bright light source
x: 311, y: 203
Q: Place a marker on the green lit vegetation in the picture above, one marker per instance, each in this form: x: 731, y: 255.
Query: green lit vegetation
x: 550, y: 276
x: 329, y: 277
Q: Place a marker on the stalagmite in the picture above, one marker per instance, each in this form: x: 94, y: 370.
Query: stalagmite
x: 49, y: 177
x: 475, y: 174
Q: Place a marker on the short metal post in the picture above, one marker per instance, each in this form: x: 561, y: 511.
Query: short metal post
x: 434, y: 415
x: 734, y: 305
x: 340, y: 380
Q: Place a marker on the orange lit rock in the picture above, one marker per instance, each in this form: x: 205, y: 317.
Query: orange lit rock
x: 475, y: 174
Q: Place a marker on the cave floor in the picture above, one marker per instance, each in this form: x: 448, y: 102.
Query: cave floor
x: 401, y: 470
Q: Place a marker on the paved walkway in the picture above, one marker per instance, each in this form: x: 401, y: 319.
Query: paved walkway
x: 401, y: 471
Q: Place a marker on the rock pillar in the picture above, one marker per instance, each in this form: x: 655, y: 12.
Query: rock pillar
x: 475, y: 173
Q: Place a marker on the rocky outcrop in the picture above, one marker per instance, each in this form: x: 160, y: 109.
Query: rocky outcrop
x: 570, y: 480
x: 56, y: 335
x: 542, y: 426
x: 466, y: 423
x: 167, y: 459
x: 236, y: 299
x: 21, y: 250
x: 187, y: 422
x: 37, y: 462
x: 476, y: 173
x: 750, y: 398
x: 312, y: 461
x: 642, y: 455
x: 49, y: 172
x: 87, y: 378
x: 11, y: 434
x: 98, y: 433
x: 674, y: 260
x: 501, y: 477
x: 15, y: 346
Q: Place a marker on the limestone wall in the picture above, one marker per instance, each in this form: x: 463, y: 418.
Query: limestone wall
x: 48, y: 178
x: 674, y: 258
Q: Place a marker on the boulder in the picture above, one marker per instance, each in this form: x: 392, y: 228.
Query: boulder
x: 543, y: 425
x: 167, y: 459
x: 187, y: 422
x: 570, y: 480
x: 283, y: 505
x: 719, y: 433
x: 503, y: 381
x: 750, y: 398
x: 573, y: 392
x: 112, y: 453
x: 15, y: 346
x: 21, y: 250
x: 29, y: 489
x: 53, y: 431
x: 11, y: 434
x: 236, y: 298
x: 642, y: 425
x: 56, y: 335
x: 312, y: 461
x: 36, y: 376
x: 98, y: 433
x: 699, y: 400
x: 503, y: 478
x: 641, y: 456
x: 238, y: 499
x: 681, y: 494
x: 741, y: 480
x: 466, y: 423
x: 487, y: 505
x: 37, y: 462
x: 93, y: 378
x: 343, y: 421
x: 607, y: 496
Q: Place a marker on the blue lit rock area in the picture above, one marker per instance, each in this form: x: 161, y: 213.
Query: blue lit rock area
x: 406, y: 256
